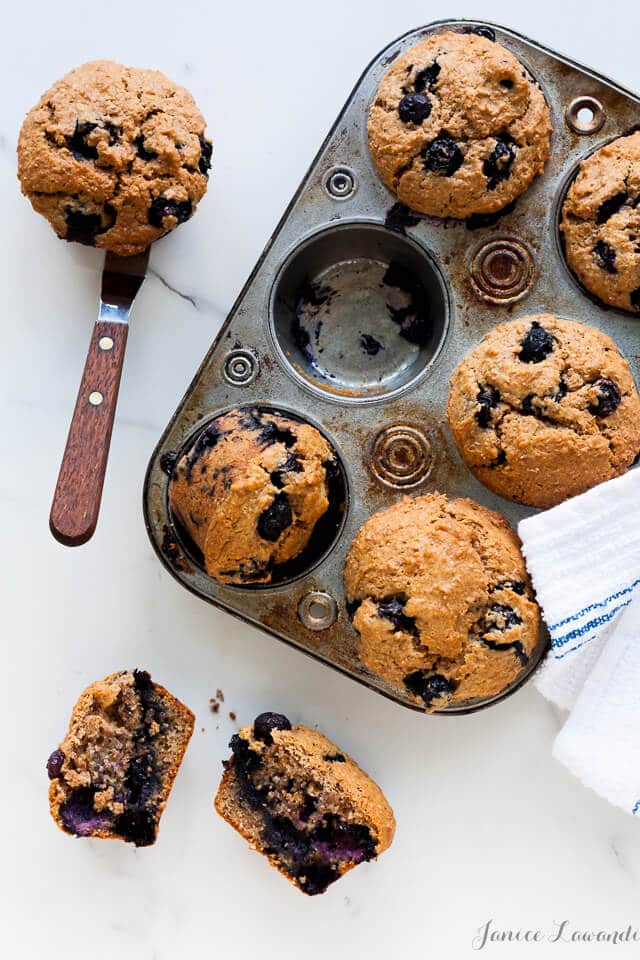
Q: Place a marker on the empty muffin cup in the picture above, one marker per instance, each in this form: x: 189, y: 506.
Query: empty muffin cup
x: 358, y: 312
x: 257, y: 496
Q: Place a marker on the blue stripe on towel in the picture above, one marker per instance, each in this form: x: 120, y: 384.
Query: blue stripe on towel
x: 594, y: 606
x: 592, y: 634
x: 588, y: 627
x: 636, y: 807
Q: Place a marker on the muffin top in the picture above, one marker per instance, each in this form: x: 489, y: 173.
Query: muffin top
x: 600, y: 223
x: 114, y: 157
x: 439, y: 595
x: 250, y: 491
x: 458, y: 127
x: 543, y: 409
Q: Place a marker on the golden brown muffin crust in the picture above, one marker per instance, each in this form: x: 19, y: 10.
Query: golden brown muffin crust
x: 441, y: 600
x: 485, y: 135
x: 542, y: 429
x: 600, y: 223
x: 114, y: 156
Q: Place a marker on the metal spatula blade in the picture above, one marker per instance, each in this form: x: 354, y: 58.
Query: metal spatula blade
x: 76, y: 501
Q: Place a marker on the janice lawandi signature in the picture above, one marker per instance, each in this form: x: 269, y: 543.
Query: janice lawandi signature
x: 560, y: 931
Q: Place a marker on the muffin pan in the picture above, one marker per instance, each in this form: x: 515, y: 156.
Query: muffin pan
x: 332, y: 285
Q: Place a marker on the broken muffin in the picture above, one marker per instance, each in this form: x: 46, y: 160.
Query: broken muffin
x: 112, y: 774
x: 250, y: 491
x: 302, y: 802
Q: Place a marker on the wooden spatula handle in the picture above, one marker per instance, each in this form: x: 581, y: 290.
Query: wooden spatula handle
x: 76, y: 502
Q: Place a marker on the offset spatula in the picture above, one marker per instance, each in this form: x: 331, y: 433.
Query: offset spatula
x: 76, y: 502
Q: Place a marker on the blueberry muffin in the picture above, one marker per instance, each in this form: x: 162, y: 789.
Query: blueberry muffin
x: 302, y: 802
x: 458, y: 127
x: 600, y: 223
x: 543, y: 409
x: 438, y: 593
x: 112, y: 774
x: 250, y: 491
x: 114, y: 157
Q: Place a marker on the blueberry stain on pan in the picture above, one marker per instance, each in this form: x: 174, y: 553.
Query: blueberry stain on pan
x: 414, y: 319
x: 482, y: 31
x: 370, y: 345
x: 479, y: 221
x: 399, y: 218
x: 168, y: 462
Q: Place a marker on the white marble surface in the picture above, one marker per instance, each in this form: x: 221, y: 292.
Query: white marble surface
x: 489, y: 826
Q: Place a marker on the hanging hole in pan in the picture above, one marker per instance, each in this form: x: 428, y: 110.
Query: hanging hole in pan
x: 317, y: 610
x: 358, y: 312
x: 585, y: 115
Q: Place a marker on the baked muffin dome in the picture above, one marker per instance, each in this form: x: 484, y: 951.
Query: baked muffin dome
x: 458, y: 127
x: 250, y: 491
x: 543, y: 409
x: 114, y: 157
x: 438, y: 593
x: 600, y: 223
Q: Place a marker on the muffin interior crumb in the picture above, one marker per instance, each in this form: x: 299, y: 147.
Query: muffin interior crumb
x: 111, y: 774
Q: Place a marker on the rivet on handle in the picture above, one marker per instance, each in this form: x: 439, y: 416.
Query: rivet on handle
x: 105, y: 343
x: 95, y: 398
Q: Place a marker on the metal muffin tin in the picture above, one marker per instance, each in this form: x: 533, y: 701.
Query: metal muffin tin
x: 385, y: 416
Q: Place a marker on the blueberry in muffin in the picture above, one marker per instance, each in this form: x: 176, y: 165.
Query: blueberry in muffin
x: 439, y: 596
x: 302, y: 803
x: 112, y: 774
x: 458, y: 128
x: 114, y: 157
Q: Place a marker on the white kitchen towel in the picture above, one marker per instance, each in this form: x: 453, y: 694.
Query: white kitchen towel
x: 584, y: 561
x: 600, y: 742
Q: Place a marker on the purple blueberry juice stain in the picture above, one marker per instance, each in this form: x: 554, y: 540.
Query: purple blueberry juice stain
x: 369, y: 345
x: 78, y: 815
